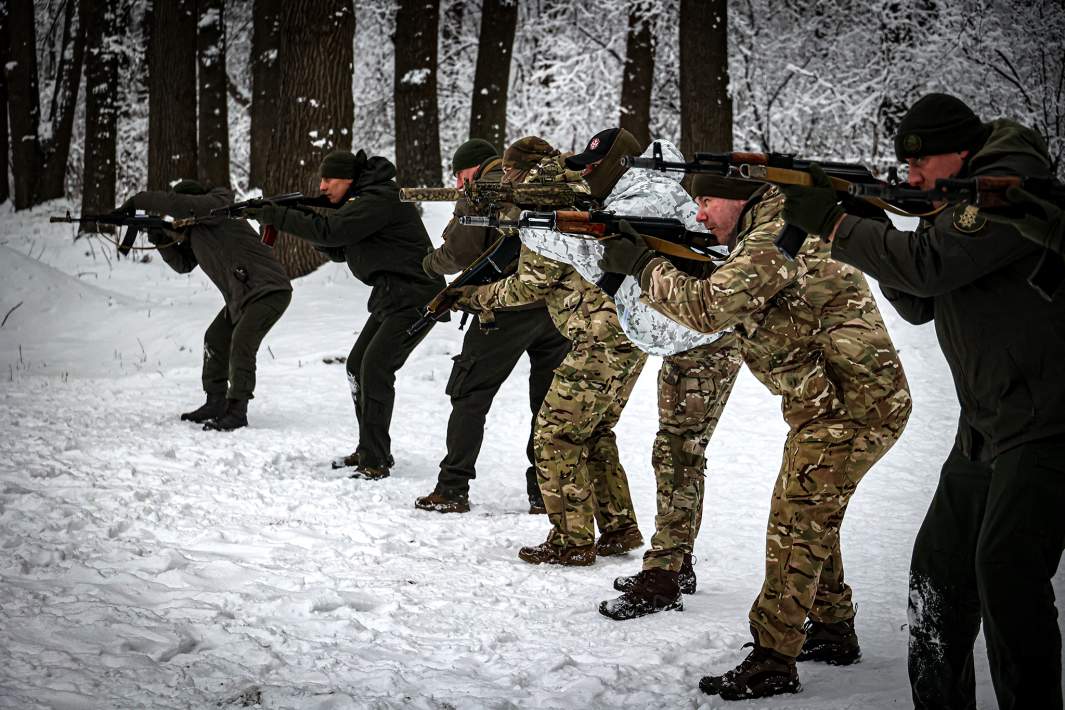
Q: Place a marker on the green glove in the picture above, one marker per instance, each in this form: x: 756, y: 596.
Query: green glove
x: 812, y: 209
x: 627, y: 254
x: 1041, y: 222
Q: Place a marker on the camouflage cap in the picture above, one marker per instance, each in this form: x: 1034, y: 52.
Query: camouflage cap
x: 526, y: 153
x: 937, y: 124
x: 727, y: 188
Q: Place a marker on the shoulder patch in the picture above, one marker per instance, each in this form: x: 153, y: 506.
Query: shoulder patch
x: 967, y: 219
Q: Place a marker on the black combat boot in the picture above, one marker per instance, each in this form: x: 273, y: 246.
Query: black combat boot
x: 763, y: 673
x: 444, y: 500
x: 550, y: 554
x: 537, y: 505
x: 653, y: 590
x: 235, y: 417
x: 835, y: 644
x: 354, y: 458
x: 618, y: 542
x: 213, y: 408
x: 685, y: 578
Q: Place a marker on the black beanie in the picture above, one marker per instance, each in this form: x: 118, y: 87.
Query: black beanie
x: 342, y: 164
x: 189, y: 187
x: 471, y: 154
x: 704, y: 185
x: 936, y: 124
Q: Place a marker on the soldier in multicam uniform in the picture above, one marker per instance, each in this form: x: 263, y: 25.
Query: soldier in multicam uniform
x: 580, y: 475
x: 811, y: 332
x: 693, y: 385
x: 488, y: 356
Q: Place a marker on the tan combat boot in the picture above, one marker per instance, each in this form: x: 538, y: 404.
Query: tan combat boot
x: 618, y: 542
x: 551, y: 554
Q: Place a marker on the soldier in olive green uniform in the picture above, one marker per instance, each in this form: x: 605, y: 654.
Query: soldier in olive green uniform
x: 254, y: 285
x: 580, y: 476
x: 488, y: 356
x: 811, y: 332
x: 383, y: 242
x: 994, y: 533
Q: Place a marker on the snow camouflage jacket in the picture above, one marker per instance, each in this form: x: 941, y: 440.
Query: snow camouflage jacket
x: 810, y: 329
x: 647, y: 193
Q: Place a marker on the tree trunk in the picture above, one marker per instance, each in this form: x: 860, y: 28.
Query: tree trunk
x: 491, y: 82
x: 213, y: 148
x: 64, y: 102
x: 101, y: 104
x: 5, y: 57
x: 417, y: 116
x: 171, y: 93
x: 316, y: 110
x: 705, y: 105
x: 265, y: 44
x: 639, y: 75
x: 24, y: 102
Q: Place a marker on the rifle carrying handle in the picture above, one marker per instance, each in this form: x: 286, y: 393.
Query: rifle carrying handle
x: 610, y: 283
x: 789, y: 242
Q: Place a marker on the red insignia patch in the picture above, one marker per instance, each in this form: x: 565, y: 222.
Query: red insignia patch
x: 594, y: 144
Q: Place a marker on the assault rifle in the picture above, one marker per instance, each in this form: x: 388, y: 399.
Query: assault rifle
x: 133, y: 223
x: 780, y: 169
x: 488, y: 197
x: 288, y: 199
x: 984, y: 191
x: 486, y: 268
x: 664, y: 235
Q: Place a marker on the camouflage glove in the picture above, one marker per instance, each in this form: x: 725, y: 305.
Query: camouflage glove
x: 1041, y: 221
x: 627, y: 254
x: 816, y: 209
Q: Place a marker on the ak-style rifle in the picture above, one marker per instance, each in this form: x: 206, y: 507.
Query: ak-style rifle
x: 488, y: 197
x: 133, y: 223
x: 664, y: 235
x: 983, y: 191
x: 288, y: 199
x: 781, y: 169
x: 485, y: 269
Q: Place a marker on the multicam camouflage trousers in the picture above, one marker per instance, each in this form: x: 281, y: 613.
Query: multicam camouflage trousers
x: 823, y: 463
x: 577, y: 464
x: 693, y: 387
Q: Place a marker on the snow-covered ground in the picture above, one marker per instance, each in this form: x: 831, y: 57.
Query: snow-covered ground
x: 145, y: 563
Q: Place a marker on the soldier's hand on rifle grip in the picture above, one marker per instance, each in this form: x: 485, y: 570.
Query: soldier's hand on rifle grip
x: 627, y: 254
x: 461, y: 297
x: 815, y: 210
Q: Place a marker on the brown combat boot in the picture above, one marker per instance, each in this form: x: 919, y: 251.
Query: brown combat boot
x: 835, y: 644
x: 618, y: 542
x: 763, y: 673
x: 569, y: 556
x: 443, y: 500
x: 653, y: 590
x: 371, y: 473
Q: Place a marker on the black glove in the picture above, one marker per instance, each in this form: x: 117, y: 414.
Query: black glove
x: 627, y: 254
x: 815, y: 209
x: 267, y: 214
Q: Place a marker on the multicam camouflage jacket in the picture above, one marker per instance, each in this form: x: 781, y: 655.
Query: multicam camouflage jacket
x: 810, y: 329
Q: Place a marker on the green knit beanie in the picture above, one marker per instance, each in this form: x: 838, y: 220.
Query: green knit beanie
x: 343, y: 164
x: 937, y: 124
x: 189, y: 187
x: 704, y: 185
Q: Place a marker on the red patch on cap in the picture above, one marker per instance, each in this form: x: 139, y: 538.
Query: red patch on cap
x: 594, y: 144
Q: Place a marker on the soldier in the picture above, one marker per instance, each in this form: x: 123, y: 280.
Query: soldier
x: 383, y: 241
x: 811, y: 332
x: 993, y: 535
x: 693, y: 386
x: 488, y: 356
x: 580, y: 476
x: 254, y: 286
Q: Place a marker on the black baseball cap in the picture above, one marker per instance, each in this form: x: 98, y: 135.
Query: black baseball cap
x: 595, y: 151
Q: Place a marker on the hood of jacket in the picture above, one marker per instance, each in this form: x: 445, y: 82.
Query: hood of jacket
x: 378, y: 170
x: 638, y: 181
x: 1011, y: 149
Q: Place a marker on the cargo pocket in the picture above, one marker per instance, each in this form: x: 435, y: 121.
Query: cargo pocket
x: 460, y: 372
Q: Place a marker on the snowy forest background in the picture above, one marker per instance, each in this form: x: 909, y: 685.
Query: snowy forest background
x: 253, y: 93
